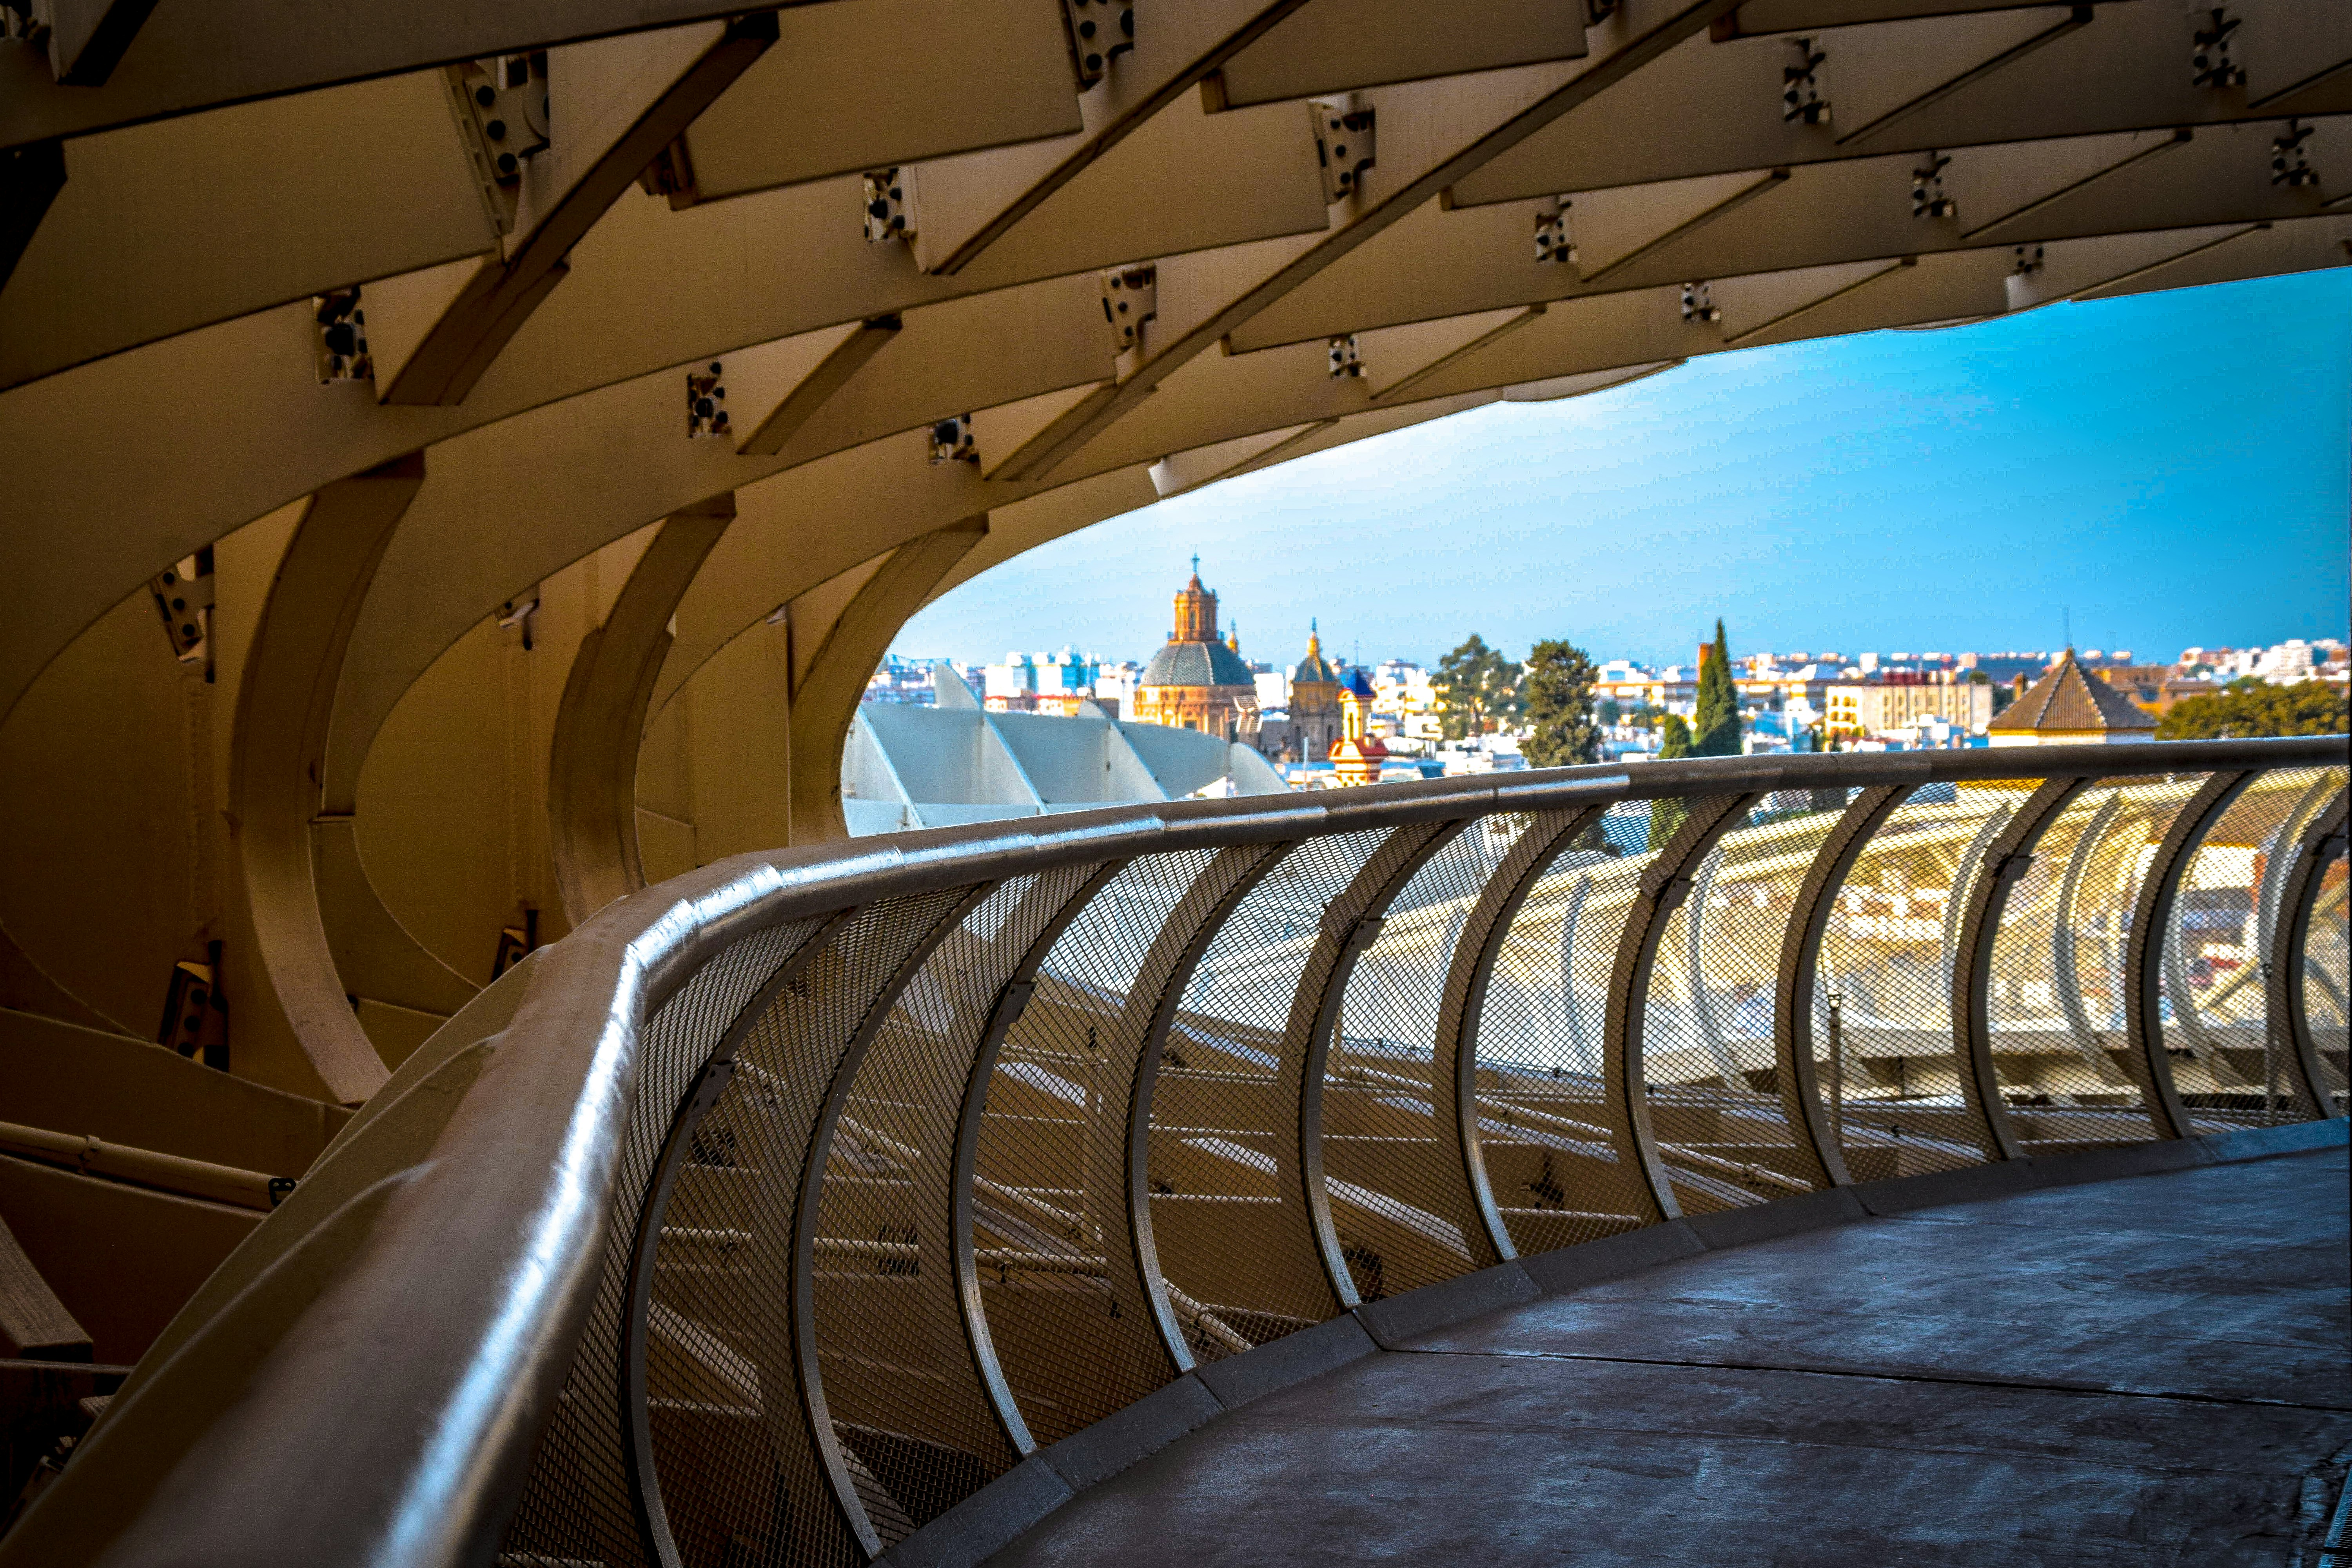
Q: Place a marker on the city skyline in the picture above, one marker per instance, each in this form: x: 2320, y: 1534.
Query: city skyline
x: 1888, y: 490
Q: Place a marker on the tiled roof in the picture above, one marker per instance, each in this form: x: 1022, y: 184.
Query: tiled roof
x: 1196, y: 664
x: 2071, y: 699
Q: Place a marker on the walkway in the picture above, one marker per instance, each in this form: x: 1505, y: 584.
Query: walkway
x: 2149, y: 1370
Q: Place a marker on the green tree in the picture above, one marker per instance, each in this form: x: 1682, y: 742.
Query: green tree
x: 1715, y: 727
x: 1477, y: 690
x: 2249, y: 708
x: 1668, y: 815
x: 1558, y: 697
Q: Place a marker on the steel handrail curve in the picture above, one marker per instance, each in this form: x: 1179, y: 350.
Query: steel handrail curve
x: 392, y: 1423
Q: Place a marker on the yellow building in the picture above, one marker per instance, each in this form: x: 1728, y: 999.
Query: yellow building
x: 1315, y: 720
x: 1195, y: 681
x: 2068, y: 706
x: 1874, y: 707
x: 1357, y: 754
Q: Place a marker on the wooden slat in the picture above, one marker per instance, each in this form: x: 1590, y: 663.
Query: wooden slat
x: 34, y: 1324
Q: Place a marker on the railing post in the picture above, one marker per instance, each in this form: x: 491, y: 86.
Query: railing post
x: 701, y: 1093
x: 1800, y: 954
x: 1454, y: 1059
x: 2151, y: 943
x: 1012, y: 999
x: 810, y: 1373
x: 1664, y: 886
x: 2065, y: 975
x: 2008, y: 857
x: 2320, y: 844
x: 1350, y: 923
x: 1150, y: 1011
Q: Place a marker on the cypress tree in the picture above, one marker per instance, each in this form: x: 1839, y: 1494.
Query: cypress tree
x: 1715, y: 725
x: 1668, y: 815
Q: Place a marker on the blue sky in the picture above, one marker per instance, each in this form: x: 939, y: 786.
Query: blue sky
x: 2171, y: 468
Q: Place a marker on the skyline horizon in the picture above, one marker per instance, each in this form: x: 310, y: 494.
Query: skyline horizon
x: 2156, y: 427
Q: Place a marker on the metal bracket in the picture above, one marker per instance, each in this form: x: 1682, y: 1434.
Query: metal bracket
x: 1345, y: 142
x: 2291, y: 159
x: 339, y: 337
x: 1131, y: 297
x: 890, y: 207
x: 1346, y: 358
x: 706, y: 401
x: 1927, y: 197
x: 1804, y: 86
x: 1100, y: 32
x: 1555, y: 246
x: 1699, y: 303
x: 952, y: 441
x: 2213, y: 61
x: 183, y: 597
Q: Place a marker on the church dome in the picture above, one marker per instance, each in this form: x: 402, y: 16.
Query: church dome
x: 1315, y: 670
x: 1196, y: 664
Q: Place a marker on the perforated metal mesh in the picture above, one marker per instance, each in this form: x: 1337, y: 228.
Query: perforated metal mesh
x: 899, y: 1381
x: 2231, y: 1067
x: 742, y: 1468
x: 2068, y: 1083
x: 1392, y: 1157
x: 1058, y: 1283
x: 576, y: 1504
x: 1560, y: 1164
x: 1228, y: 1211
x: 2327, y: 981
x: 814, y: 1380
x: 1884, y: 1051
x: 1716, y: 1103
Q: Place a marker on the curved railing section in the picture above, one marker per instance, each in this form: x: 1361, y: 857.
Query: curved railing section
x: 784, y: 1206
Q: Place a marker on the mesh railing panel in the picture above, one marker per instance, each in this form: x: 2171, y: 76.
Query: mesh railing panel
x: 576, y: 1503
x: 899, y: 1381
x: 1392, y: 1156
x: 1559, y: 1161
x: 2069, y: 1085
x: 1885, y: 1056
x: 1071, y: 1332
x: 742, y: 1474
x: 1716, y: 1104
x: 870, y: 1052
x: 1228, y: 1213
x: 2327, y: 981
x: 2232, y: 1066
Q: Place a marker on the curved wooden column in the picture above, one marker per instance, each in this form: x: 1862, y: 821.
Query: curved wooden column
x: 1454, y: 1087
x: 2151, y: 931
x: 1150, y: 1011
x: 592, y: 785
x: 1664, y: 886
x: 962, y: 1170
x: 2009, y: 857
x: 1800, y: 957
x: 1350, y: 923
x: 831, y: 659
x: 293, y: 1023
x: 2322, y: 841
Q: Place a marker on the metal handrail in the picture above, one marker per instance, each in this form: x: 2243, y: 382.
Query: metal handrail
x: 391, y: 1419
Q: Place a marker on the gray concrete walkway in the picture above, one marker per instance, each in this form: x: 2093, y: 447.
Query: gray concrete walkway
x: 2151, y: 1371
